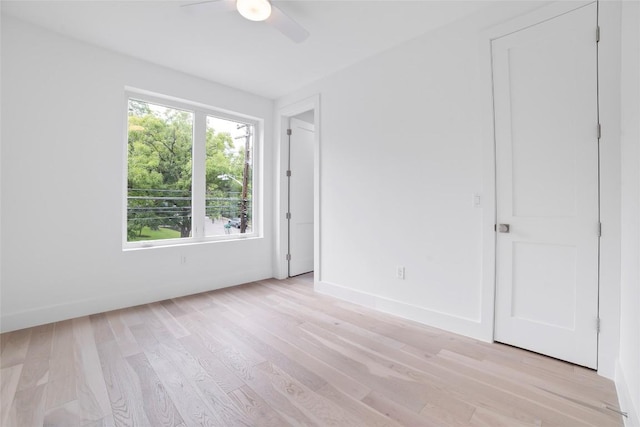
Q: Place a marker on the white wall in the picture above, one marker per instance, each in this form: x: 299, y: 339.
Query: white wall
x: 401, y: 158
x: 403, y: 151
x: 628, y: 369
x: 63, y: 130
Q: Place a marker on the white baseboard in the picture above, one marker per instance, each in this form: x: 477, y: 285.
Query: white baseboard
x: 472, y: 328
x: 626, y: 401
x: 99, y: 304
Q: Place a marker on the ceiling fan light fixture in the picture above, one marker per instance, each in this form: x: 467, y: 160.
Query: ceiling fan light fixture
x: 254, y: 10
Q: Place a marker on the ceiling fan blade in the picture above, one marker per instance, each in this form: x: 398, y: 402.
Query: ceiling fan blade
x: 286, y: 25
x: 210, y: 6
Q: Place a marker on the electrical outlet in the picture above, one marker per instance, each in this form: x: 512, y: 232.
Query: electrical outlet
x: 477, y: 201
x: 183, y: 259
x: 400, y: 272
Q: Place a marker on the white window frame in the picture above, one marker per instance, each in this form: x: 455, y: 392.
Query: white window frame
x: 198, y: 184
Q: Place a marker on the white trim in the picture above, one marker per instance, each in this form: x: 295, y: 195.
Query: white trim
x: 609, y: 74
x: 625, y: 399
x: 103, y: 303
x: 544, y: 13
x: 455, y: 324
x: 198, y: 172
x: 124, y: 143
x: 487, y: 304
x: 185, y: 104
x: 282, y: 117
x: 534, y: 17
x: 200, y: 113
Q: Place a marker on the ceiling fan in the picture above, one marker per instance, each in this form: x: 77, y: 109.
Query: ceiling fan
x: 256, y: 10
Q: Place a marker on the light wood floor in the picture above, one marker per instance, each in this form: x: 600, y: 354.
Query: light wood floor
x: 274, y: 353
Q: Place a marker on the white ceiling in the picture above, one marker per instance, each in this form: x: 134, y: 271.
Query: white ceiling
x: 223, y: 47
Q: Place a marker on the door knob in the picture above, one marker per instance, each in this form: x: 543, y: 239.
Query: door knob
x: 503, y: 228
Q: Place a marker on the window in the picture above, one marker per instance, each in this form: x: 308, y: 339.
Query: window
x: 189, y: 173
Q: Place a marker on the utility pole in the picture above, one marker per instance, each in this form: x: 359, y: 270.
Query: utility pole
x: 245, y: 179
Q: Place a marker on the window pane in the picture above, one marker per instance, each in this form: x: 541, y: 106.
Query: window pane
x: 158, y: 172
x: 228, y: 177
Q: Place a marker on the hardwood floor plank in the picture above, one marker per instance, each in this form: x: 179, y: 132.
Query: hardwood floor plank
x: 368, y: 415
x: 60, y: 391
x: 191, y: 303
x: 255, y: 409
x: 62, y: 358
x: 9, y: 378
x: 322, y: 410
x: 172, y: 308
x: 261, y: 306
x: 122, y: 333
x: 184, y: 395
x: 377, y: 344
x: 168, y: 319
x: 292, y: 367
x: 123, y: 387
x: 35, y: 371
x: 381, y: 324
x: 261, y: 384
x: 101, y: 328
x: 468, y: 386
x: 383, y: 375
x: 276, y: 353
x: 397, y: 412
x: 40, y: 343
x: 210, y: 392
x: 449, y: 411
x: 103, y: 422
x: 131, y: 316
x: 558, y: 409
x: 542, y: 380
x: 14, y: 347
x: 91, y: 389
x: 328, y: 372
x: 154, y: 325
x: 224, y: 378
x: 485, y: 418
x: 157, y: 404
x: 62, y: 378
x: 224, y: 302
x: 212, y: 322
x: 193, y: 407
x: 322, y: 318
x: 30, y: 405
x: 67, y: 415
x: 10, y: 418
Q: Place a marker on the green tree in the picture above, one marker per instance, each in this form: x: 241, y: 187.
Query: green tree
x: 159, y: 177
x: 219, y: 147
x: 159, y: 169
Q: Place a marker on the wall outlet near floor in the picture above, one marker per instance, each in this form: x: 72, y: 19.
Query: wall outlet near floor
x: 183, y: 259
x: 400, y: 272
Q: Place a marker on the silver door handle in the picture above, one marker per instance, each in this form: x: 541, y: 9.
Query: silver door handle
x: 503, y: 228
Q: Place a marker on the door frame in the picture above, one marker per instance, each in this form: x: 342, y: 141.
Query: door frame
x: 609, y: 97
x: 301, y: 126
x: 281, y: 230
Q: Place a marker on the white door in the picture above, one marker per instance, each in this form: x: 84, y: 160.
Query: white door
x: 301, y: 197
x: 546, y: 130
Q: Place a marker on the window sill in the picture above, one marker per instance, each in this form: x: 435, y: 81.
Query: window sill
x: 173, y: 243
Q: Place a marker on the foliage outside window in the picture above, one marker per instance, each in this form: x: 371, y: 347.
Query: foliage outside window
x: 189, y: 174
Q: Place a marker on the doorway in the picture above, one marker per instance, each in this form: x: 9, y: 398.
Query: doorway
x: 303, y: 118
x: 545, y: 82
x: 300, y: 213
